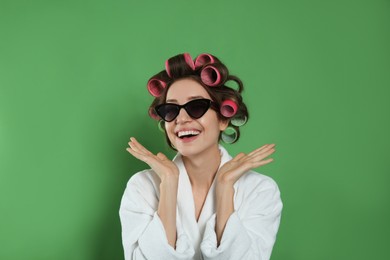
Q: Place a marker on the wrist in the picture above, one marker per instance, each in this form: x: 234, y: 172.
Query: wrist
x: 224, y: 186
x: 224, y: 191
x: 169, y: 180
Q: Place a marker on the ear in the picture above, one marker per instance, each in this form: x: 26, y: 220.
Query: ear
x: 223, y: 124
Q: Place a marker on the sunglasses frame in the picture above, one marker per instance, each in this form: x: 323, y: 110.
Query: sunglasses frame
x: 211, y: 104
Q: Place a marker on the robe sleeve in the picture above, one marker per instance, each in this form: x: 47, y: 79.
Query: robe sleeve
x: 143, y: 234
x: 250, y: 231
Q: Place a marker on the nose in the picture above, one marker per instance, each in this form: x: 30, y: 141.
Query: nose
x: 182, y: 117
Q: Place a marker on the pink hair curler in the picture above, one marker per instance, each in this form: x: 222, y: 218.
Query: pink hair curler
x: 210, y: 76
x: 156, y: 87
x: 228, y: 108
x: 167, y: 68
x: 189, y: 60
x: 153, y: 114
x: 203, y: 59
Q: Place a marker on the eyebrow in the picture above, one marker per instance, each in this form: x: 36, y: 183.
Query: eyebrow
x: 190, y: 98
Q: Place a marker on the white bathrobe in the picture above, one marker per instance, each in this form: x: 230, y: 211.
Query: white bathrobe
x: 249, y: 233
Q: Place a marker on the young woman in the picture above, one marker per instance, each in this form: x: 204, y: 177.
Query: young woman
x: 203, y: 204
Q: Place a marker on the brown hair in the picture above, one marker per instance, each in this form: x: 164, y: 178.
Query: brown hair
x: 179, y: 67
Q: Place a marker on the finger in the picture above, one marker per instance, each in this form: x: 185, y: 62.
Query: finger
x: 137, y: 155
x: 241, y: 169
x: 162, y: 156
x: 258, y: 149
x: 260, y: 156
x: 257, y: 152
x: 134, y: 147
x: 249, y: 165
x: 238, y: 157
x: 139, y: 146
x: 261, y: 163
x: 148, y: 159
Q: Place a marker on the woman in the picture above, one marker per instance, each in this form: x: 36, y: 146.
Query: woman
x: 203, y: 204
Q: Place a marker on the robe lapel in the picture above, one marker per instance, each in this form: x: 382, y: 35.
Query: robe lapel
x: 209, y: 206
x: 185, y: 200
x: 185, y: 203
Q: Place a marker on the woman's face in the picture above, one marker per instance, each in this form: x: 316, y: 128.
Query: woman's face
x: 205, y: 130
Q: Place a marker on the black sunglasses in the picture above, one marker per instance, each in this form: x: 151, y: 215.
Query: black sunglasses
x: 195, y: 108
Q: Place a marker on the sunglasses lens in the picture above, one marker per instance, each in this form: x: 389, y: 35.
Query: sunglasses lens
x: 197, y: 108
x: 168, y: 112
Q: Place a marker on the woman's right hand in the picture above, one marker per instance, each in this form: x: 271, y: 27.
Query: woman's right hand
x: 159, y: 163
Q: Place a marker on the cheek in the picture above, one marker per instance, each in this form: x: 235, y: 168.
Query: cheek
x: 212, y: 125
x: 169, y: 130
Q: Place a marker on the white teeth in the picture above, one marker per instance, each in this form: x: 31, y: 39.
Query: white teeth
x: 192, y: 132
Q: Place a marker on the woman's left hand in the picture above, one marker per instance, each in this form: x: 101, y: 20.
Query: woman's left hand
x: 231, y: 171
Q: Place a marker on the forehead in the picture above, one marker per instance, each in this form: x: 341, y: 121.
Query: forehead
x: 184, y: 89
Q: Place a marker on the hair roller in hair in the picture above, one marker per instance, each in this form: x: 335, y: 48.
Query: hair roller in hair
x: 161, y: 126
x: 203, y: 59
x: 189, y: 61
x: 211, y: 76
x: 235, y: 83
x: 228, y: 108
x: 167, y: 68
x: 156, y: 87
x: 153, y: 114
x: 230, y: 135
x: 239, y: 120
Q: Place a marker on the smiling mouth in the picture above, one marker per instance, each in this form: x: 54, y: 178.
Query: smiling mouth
x: 183, y: 135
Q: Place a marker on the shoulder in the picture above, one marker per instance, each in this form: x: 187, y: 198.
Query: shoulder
x: 257, y: 192
x: 143, y: 186
x: 254, y: 181
x: 144, y: 179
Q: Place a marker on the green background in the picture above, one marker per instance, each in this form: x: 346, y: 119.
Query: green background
x: 73, y: 90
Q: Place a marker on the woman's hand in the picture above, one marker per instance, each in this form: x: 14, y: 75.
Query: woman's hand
x: 231, y: 171
x: 164, y: 167
x: 169, y: 175
x: 227, y: 175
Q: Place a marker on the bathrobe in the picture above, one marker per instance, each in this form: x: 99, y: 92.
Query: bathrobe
x: 250, y: 231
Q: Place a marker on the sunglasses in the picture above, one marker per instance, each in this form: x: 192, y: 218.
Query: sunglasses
x: 195, y: 108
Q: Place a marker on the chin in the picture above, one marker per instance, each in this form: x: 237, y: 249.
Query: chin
x: 189, y: 150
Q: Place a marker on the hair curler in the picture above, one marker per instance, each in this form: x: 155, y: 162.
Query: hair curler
x: 161, y: 126
x: 189, y: 61
x: 203, y: 59
x: 153, y: 114
x: 234, y: 82
x: 156, y: 87
x: 230, y: 135
x: 239, y: 120
x: 228, y: 108
x: 167, y: 68
x: 210, y: 76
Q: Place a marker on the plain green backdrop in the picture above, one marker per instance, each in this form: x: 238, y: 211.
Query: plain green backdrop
x: 73, y: 90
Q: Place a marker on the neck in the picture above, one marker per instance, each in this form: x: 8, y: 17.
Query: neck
x: 201, y: 169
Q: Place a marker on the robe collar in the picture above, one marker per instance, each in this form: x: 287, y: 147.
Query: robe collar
x: 186, y: 204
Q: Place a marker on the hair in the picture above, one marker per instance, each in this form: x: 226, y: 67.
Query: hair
x: 207, y: 68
